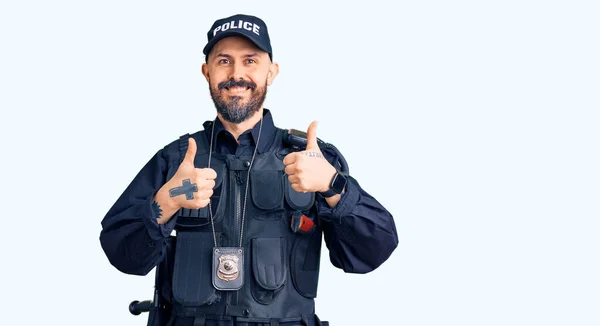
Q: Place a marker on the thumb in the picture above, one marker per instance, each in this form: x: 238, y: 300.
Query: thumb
x: 191, y: 152
x: 311, y: 136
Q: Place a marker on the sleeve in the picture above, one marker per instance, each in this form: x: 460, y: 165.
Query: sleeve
x: 131, y: 237
x: 359, y: 232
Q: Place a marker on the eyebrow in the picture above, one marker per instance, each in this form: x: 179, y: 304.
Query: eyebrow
x: 223, y: 55
x: 249, y: 55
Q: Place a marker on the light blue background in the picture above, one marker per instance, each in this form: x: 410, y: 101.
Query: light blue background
x: 483, y: 116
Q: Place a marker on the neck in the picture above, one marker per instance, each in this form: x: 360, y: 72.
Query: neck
x: 236, y: 129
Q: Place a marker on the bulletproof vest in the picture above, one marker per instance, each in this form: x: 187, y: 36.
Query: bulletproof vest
x: 281, y: 267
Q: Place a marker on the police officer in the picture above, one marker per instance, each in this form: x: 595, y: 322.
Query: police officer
x: 249, y: 205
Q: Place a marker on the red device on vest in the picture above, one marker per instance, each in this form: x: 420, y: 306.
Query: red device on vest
x: 301, y: 223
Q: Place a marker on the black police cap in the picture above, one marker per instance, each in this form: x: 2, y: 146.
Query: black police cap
x: 248, y: 26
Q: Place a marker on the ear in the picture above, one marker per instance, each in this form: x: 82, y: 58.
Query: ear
x: 205, y: 71
x: 273, y: 72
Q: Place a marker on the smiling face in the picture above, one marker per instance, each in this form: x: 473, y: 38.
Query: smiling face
x: 238, y: 74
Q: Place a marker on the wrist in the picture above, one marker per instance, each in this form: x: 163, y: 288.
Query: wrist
x: 166, y: 203
x: 337, y: 185
x: 330, y: 176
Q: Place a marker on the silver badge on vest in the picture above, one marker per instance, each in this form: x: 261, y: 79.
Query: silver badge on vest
x: 228, y: 268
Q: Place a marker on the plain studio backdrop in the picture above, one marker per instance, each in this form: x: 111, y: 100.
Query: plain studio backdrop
x: 474, y: 122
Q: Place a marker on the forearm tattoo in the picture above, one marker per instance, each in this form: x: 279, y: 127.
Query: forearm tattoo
x: 188, y: 189
x: 313, y: 154
x: 156, y: 208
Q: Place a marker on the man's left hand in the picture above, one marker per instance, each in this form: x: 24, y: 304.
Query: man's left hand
x: 309, y: 171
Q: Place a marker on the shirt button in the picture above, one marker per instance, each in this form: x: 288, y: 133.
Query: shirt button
x: 246, y: 312
x: 247, y: 164
x: 150, y: 244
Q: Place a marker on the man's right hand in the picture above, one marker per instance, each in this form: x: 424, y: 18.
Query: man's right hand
x: 190, y: 187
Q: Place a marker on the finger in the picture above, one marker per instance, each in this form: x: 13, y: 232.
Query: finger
x: 205, y: 194
x: 191, y: 152
x: 311, y: 136
x: 290, y: 169
x: 289, y: 159
x: 205, y: 183
x: 298, y: 188
x: 201, y: 203
x: 294, y: 179
x: 210, y: 184
x: 208, y: 173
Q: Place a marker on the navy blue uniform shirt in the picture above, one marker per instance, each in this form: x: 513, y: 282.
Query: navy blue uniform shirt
x: 359, y: 232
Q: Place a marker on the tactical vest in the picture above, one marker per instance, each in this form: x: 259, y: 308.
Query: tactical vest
x: 281, y: 268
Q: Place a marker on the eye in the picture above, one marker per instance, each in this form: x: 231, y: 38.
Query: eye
x: 224, y: 61
x: 250, y: 61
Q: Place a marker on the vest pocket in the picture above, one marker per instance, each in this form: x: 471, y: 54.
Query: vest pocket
x: 306, y: 256
x: 299, y: 201
x: 269, y: 268
x: 192, y: 276
x: 266, y: 189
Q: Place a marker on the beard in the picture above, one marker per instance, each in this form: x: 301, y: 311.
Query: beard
x: 233, y: 108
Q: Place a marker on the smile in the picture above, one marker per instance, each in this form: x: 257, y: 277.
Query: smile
x: 237, y: 89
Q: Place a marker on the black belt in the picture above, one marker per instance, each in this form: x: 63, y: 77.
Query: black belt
x: 200, y: 318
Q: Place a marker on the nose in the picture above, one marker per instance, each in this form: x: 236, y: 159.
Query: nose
x: 237, y: 71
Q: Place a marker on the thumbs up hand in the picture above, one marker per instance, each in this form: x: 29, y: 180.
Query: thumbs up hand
x: 190, y: 187
x: 309, y: 171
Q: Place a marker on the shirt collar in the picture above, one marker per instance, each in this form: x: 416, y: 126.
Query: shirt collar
x: 268, y: 131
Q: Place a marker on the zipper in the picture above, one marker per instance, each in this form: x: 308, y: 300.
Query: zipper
x: 238, y: 207
x: 237, y: 194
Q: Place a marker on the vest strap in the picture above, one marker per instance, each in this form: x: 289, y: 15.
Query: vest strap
x: 183, y: 146
x: 202, y: 144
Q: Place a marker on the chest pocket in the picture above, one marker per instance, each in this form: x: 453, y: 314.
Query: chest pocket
x: 298, y: 201
x: 200, y: 217
x: 266, y: 190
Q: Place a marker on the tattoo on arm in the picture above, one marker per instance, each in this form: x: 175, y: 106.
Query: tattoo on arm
x: 156, y: 208
x: 188, y: 189
x: 313, y: 154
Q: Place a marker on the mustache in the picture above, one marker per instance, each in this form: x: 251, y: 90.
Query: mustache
x: 240, y: 83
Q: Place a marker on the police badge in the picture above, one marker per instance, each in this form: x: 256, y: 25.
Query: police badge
x: 228, y: 268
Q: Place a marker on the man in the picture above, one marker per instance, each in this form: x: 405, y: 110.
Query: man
x: 248, y: 202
